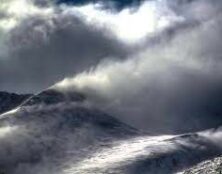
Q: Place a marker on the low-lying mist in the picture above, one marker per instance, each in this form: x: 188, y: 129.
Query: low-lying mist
x: 173, y: 85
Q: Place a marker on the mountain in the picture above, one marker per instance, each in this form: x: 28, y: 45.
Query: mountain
x: 59, y: 132
x: 51, y: 127
x: 213, y: 166
x: 9, y: 101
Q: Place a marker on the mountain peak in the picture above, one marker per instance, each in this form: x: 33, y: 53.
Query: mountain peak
x: 9, y: 101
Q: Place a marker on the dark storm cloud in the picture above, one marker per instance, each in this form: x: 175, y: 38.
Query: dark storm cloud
x: 43, y: 52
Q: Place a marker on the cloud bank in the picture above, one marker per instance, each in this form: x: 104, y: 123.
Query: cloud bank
x: 42, y: 41
x: 156, y: 65
x: 173, y: 85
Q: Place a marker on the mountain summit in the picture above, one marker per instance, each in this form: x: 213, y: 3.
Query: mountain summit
x: 9, y: 101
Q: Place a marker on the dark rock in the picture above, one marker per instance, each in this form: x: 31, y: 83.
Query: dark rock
x: 9, y: 101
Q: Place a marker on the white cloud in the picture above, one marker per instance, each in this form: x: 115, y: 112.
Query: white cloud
x: 15, y: 11
x: 131, y: 24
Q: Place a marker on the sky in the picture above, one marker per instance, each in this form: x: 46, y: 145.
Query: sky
x: 109, y: 3
x: 44, y: 41
x: 155, y: 64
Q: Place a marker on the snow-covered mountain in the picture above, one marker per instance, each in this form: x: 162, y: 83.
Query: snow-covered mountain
x: 213, y: 166
x: 58, y: 132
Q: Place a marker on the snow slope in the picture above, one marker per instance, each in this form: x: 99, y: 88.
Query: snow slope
x: 59, y: 133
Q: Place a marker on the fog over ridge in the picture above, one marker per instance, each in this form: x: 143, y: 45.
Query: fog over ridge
x: 159, y: 62
x: 175, y: 84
